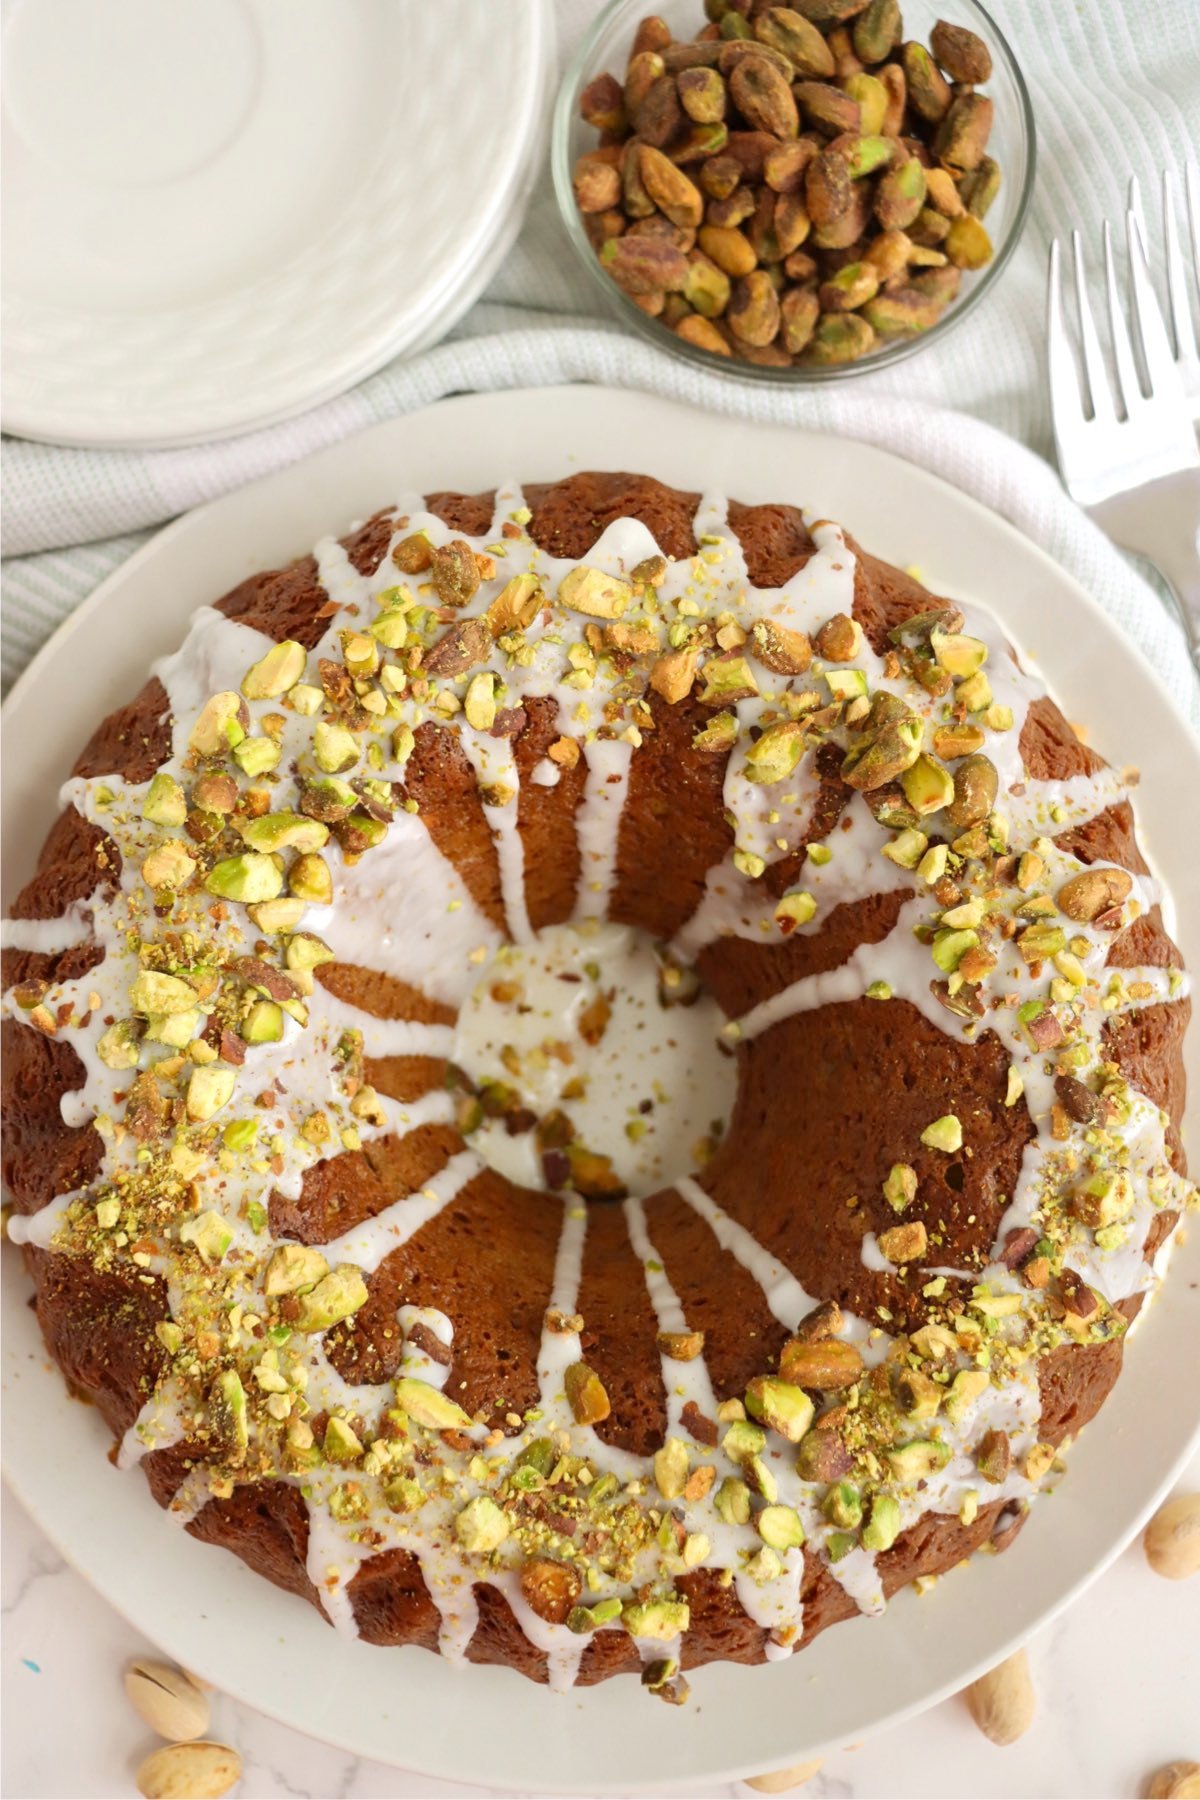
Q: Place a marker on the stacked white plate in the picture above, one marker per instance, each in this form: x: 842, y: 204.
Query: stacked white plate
x: 220, y: 212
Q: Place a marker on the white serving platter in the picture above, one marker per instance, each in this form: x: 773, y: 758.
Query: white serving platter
x: 220, y: 212
x: 490, y: 1726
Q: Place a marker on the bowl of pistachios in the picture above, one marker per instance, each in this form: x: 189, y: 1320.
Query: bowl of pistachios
x: 794, y: 193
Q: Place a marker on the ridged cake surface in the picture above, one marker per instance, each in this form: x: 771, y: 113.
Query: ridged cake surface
x: 583, y: 1420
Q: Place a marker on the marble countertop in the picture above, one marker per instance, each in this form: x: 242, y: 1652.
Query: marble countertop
x: 1117, y: 1680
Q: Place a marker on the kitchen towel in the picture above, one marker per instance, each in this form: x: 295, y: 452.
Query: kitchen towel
x: 1116, y: 91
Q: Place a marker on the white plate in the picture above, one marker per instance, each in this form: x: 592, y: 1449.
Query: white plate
x: 220, y: 212
x: 404, y: 1706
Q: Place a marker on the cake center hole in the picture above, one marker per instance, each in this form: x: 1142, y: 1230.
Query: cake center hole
x: 588, y: 1065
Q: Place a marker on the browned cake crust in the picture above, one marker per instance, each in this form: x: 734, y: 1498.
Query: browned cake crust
x: 838, y: 1094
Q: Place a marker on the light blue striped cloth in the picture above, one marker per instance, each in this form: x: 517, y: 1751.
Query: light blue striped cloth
x: 1116, y: 90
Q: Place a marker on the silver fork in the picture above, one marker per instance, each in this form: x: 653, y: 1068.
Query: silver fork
x: 1134, y: 465
x: 1183, y: 331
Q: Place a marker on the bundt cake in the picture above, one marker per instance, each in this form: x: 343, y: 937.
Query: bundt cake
x: 593, y: 1079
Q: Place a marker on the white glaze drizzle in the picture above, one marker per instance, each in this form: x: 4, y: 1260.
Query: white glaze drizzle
x: 683, y: 1382
x: 786, y: 1298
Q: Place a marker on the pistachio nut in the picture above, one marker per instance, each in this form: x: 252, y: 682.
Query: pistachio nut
x: 942, y: 193
x: 892, y: 76
x: 658, y: 115
x: 828, y: 188
x: 706, y: 287
x: 774, y: 755
x: 782, y: 1781
x: 596, y: 184
x: 867, y: 153
x: 928, y: 787
x: 1002, y: 1702
x: 670, y: 189
x: 165, y: 802
x: 939, y: 285
x: 827, y: 108
x: 429, y: 1406
x: 251, y: 878
x: 671, y: 1468
x: 728, y: 248
x: 454, y: 572
x: 839, y: 338
x: 635, y: 201
x: 901, y: 312
x: 872, y: 100
x: 850, y: 288
x: 223, y: 722
x: 280, y: 669
x: 979, y: 187
x: 681, y: 1346
x: 1172, y: 1538
x: 877, y: 30
x: 780, y: 648
x: 702, y: 95
x: 294, y: 1268
x: 645, y: 68
x: 799, y: 312
x: 753, y: 311
x: 168, y: 865
x: 673, y: 674
x: 780, y: 1527
x: 780, y: 1405
x: 335, y: 1297
x: 888, y: 253
x: 891, y: 750
x: 209, y: 1089
x: 481, y: 1526
x: 1175, y: 1781
x: 1093, y: 892
x: 883, y: 1527
x: 976, y: 784
x: 309, y: 878
x: 829, y: 13
x: 928, y: 90
x: 823, y: 1455
x: 658, y: 1619
x: 787, y: 31
x: 904, y: 1243
x: 784, y: 166
x: 551, y: 1589
x: 594, y: 592
x: 202, y: 1770
x: 900, y: 195
x: 168, y: 1700
x: 586, y: 1395
x: 763, y: 97
x: 963, y: 134
x: 152, y: 994
x: 964, y: 56
x: 703, y: 334
x: 720, y: 177
x: 602, y: 104
x: 967, y: 243
x: 944, y: 1134
x: 791, y: 224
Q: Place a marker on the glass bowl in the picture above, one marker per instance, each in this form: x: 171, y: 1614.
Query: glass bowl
x: 606, y: 49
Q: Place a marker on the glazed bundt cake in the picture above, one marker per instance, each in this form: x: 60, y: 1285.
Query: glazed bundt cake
x: 593, y: 1079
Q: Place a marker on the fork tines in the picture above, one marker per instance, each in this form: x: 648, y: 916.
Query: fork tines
x: 1136, y: 427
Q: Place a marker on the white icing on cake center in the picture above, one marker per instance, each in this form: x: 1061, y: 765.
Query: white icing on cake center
x: 568, y: 1044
